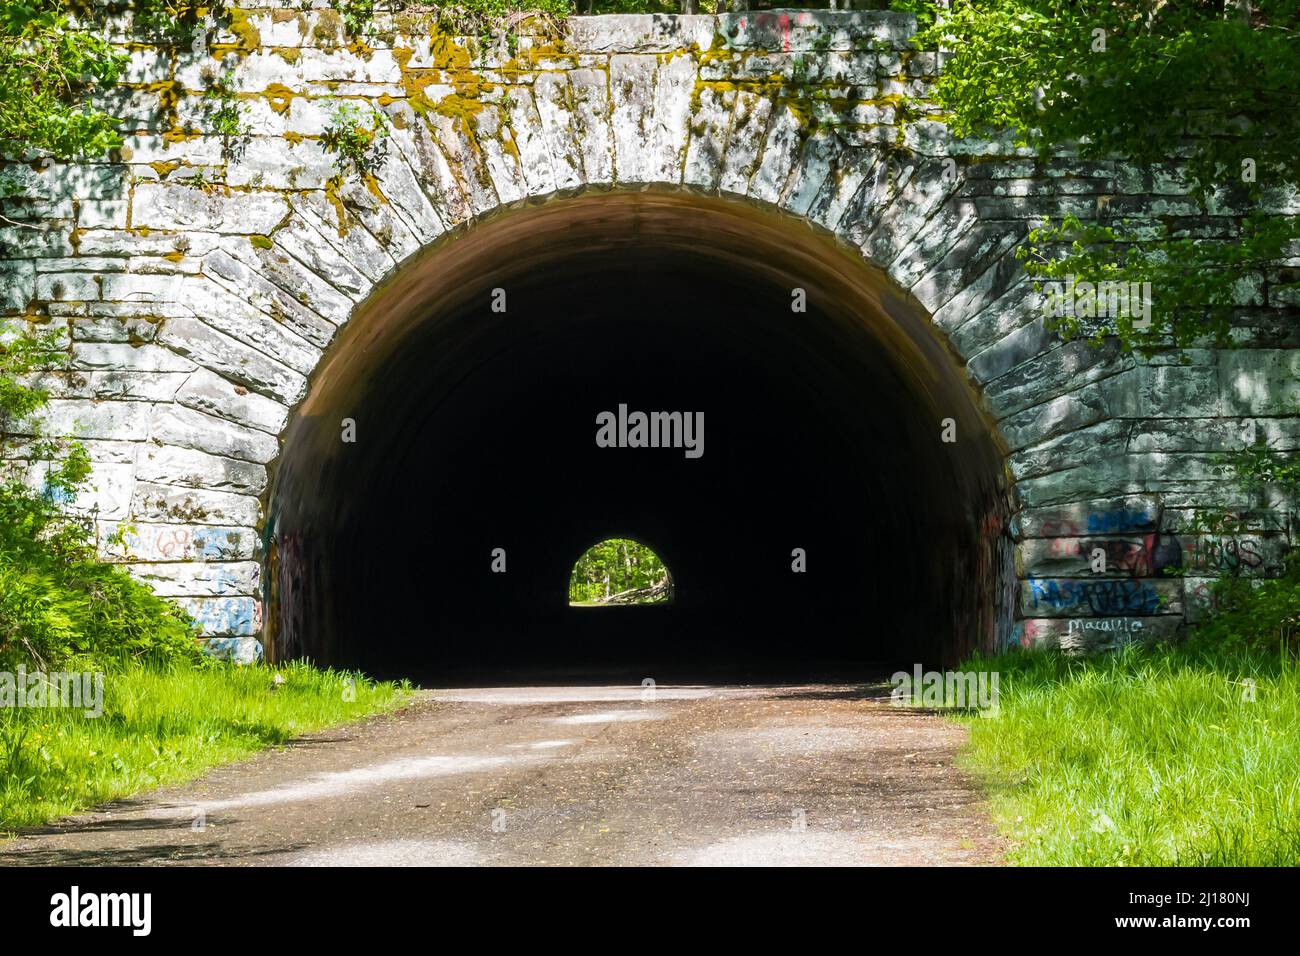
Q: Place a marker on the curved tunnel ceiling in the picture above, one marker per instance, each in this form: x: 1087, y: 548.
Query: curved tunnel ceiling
x: 476, y: 431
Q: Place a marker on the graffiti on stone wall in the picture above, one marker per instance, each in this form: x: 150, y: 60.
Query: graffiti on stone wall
x: 177, y: 542
x: 1086, y: 635
x: 1148, y: 556
x: 1108, y: 596
x: 238, y: 616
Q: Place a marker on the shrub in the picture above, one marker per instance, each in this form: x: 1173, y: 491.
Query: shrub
x: 57, y: 599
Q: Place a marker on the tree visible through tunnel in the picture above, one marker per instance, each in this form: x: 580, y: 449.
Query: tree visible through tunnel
x: 621, y: 571
x: 479, y: 380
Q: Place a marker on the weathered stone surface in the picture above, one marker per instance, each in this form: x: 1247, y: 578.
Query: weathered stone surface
x: 632, y: 86
x: 553, y: 105
x: 308, y: 246
x: 779, y: 152
x: 192, y: 579
x: 749, y: 121
x: 74, y: 418
x: 224, y: 399
x: 240, y: 650
x: 804, y: 30
x: 592, y: 127
x: 267, y: 162
x: 1118, y: 516
x: 141, y: 358
x: 162, y: 503
x: 641, y: 33
x: 170, y: 465
x: 17, y: 285
x: 187, y: 428
x: 293, y: 278
x: 161, y: 206
x: 107, y: 492
x: 240, y: 280
x: 226, y: 356
x: 1063, y: 451
x: 412, y: 136
x: 145, y: 542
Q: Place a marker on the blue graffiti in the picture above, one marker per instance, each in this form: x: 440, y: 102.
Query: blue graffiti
x: 1118, y: 522
x: 235, y: 616
x: 1115, y: 596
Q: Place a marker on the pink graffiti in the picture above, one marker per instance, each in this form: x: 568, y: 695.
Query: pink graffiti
x: 172, y: 543
x: 781, y: 20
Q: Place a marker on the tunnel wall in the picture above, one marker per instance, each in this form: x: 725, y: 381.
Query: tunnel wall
x: 195, y: 311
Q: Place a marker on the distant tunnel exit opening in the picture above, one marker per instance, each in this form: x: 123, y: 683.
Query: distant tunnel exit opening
x: 619, y: 572
x: 803, y: 497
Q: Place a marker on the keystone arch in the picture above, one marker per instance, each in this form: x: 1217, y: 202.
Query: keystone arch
x: 823, y: 432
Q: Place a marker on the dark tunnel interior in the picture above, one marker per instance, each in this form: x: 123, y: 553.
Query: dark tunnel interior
x: 476, y: 430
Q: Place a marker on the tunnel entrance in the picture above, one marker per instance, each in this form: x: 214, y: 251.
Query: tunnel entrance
x: 818, y: 517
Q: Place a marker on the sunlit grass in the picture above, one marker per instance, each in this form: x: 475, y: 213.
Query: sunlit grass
x: 1150, y: 757
x: 166, y: 726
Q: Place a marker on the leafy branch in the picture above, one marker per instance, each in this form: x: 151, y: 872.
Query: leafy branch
x: 46, y: 70
x: 1194, y: 282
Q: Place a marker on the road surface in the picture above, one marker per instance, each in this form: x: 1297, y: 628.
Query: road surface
x: 815, y: 774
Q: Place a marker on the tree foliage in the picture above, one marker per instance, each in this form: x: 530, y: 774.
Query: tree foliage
x: 1195, y: 283
x: 57, y: 599
x: 1208, y: 85
x: 46, y: 68
x: 619, y: 570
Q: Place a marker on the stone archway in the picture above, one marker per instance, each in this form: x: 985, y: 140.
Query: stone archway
x: 907, y: 532
x: 197, y: 315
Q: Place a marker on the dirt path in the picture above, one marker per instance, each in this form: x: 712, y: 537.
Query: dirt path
x: 806, y: 775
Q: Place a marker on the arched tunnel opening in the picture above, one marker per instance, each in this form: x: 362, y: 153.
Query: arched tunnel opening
x: 807, y: 505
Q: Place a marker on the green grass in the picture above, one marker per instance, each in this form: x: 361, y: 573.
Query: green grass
x: 1147, y: 757
x: 163, y: 726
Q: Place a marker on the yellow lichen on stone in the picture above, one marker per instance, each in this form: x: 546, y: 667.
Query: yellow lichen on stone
x: 461, y: 108
x: 262, y: 242
x: 163, y: 168
x: 332, y: 194
x: 169, y: 94
x: 446, y: 54
x: 180, y: 134
x: 248, y: 37
x: 279, y: 96
x: 372, y: 184
x: 328, y: 31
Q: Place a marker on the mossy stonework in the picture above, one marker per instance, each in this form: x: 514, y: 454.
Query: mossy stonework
x: 200, y: 287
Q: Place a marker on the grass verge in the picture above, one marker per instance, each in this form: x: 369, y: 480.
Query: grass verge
x: 1152, y: 756
x: 164, y: 725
